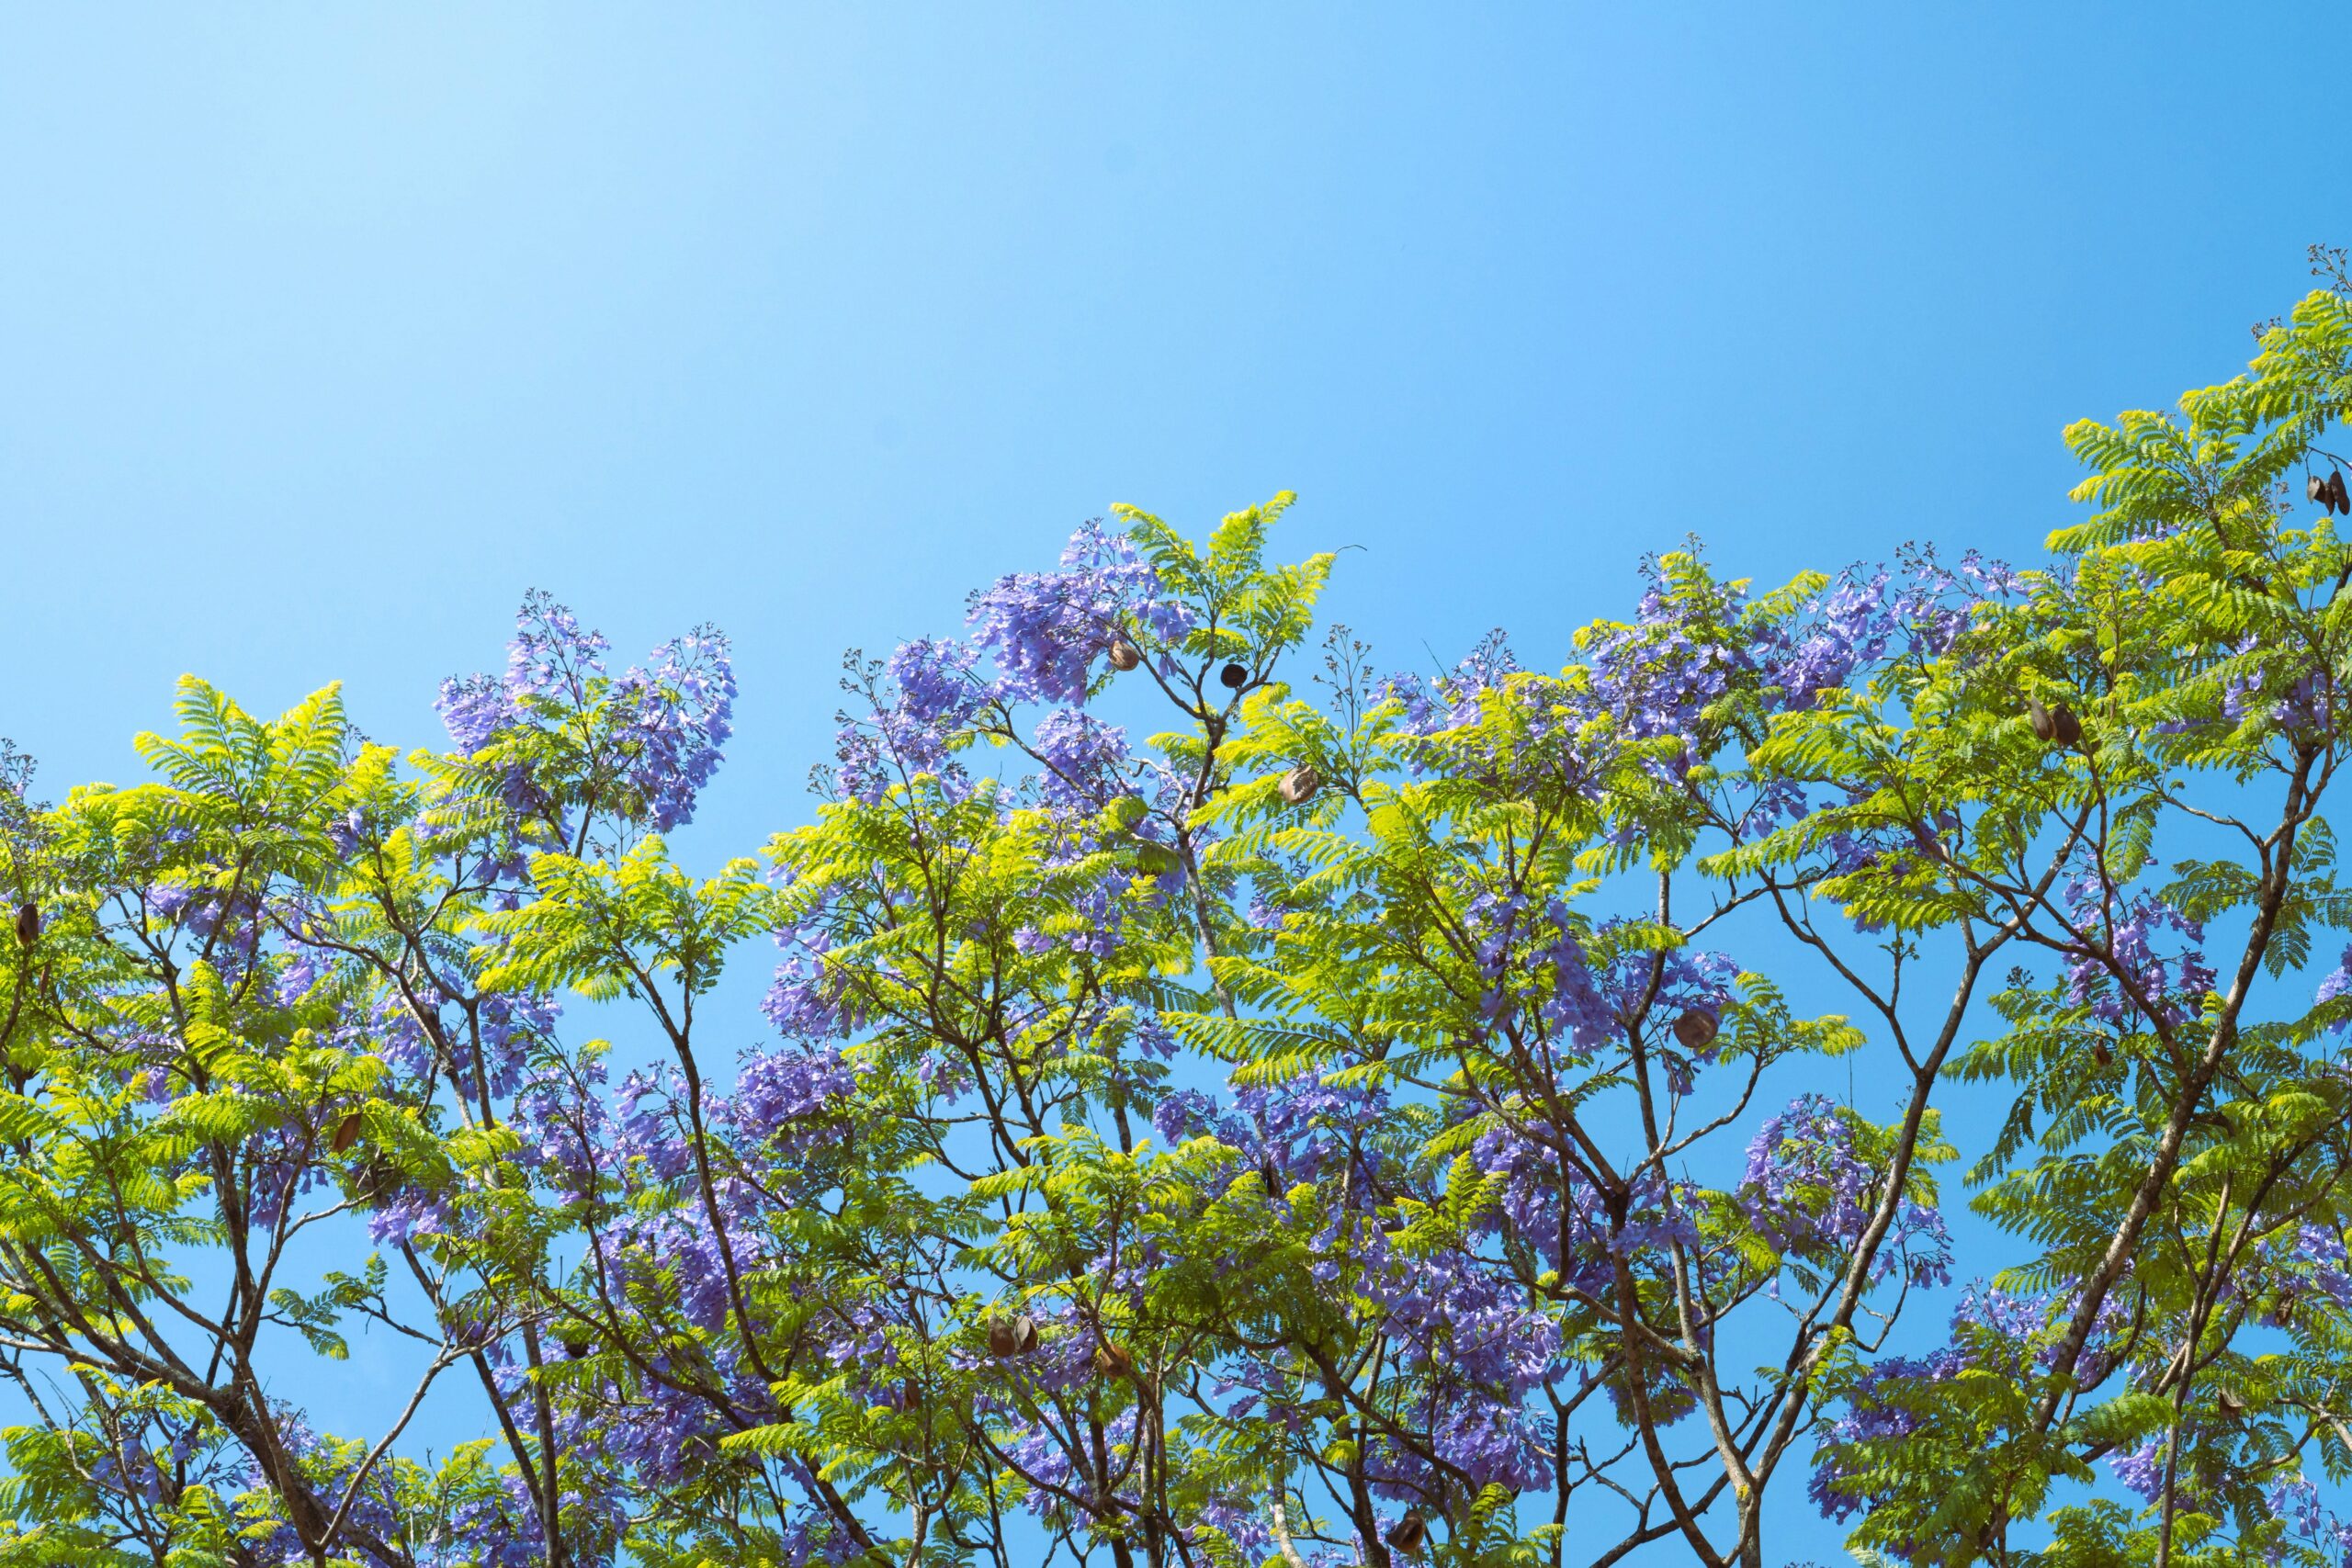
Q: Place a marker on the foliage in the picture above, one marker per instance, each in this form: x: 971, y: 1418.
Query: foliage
x: 1353, y: 1124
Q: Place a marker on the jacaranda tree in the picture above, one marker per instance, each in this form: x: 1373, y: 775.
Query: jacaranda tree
x: 1376, y: 1119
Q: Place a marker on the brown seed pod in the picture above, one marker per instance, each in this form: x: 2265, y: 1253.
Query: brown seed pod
x: 2316, y: 489
x: 2231, y: 1405
x: 27, y: 923
x: 1001, y: 1337
x: 346, y: 1133
x: 575, y: 1348
x: 1695, y: 1029
x: 1112, y: 1361
x: 2101, y: 1053
x: 2337, y: 497
x: 1234, y: 676
x: 2064, y: 727
x: 1409, y: 1535
x: 1299, y: 785
x: 1271, y: 1178
x: 2039, y: 716
x: 1125, y: 655
x: 1024, y: 1335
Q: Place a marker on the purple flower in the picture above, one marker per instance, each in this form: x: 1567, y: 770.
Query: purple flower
x: 1045, y: 629
x: 1810, y: 1189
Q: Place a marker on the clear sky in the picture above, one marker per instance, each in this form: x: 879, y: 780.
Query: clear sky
x: 328, y: 330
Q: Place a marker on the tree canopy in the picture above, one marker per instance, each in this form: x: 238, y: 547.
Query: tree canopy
x: 1376, y: 1119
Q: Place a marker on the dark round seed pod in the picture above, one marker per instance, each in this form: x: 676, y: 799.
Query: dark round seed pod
x: 2315, y: 489
x: 2337, y: 499
x: 27, y: 923
x: 1234, y: 676
x: 346, y: 1133
x: 2039, y: 716
x: 2101, y: 1053
x: 1695, y: 1029
x: 1299, y: 785
x: 1003, y: 1340
x: 1125, y: 655
x: 1024, y: 1335
x: 1411, y: 1531
x: 2064, y: 726
x: 575, y: 1348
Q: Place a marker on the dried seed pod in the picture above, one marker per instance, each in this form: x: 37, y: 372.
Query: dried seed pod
x: 1234, y: 676
x: 1271, y: 1177
x: 2039, y: 716
x: 1409, y: 1535
x: 1695, y: 1029
x: 27, y: 923
x: 1024, y: 1335
x: 2316, y: 489
x: 346, y: 1133
x: 1299, y: 785
x: 1125, y: 655
x: 575, y: 1348
x: 2337, y: 497
x: 2231, y: 1405
x: 1003, y: 1339
x: 1112, y: 1361
x: 2101, y: 1053
x: 2064, y: 726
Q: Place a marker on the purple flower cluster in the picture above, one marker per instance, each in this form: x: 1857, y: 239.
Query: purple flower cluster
x: 781, y: 1098
x: 1456, y: 700
x: 1044, y: 630
x: 1809, y: 1190
x: 2136, y: 929
x: 1035, y: 637
x: 1994, y: 1331
x: 642, y: 744
x: 2307, y: 1269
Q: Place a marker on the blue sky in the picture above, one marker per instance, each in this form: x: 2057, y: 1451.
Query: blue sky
x: 328, y: 332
